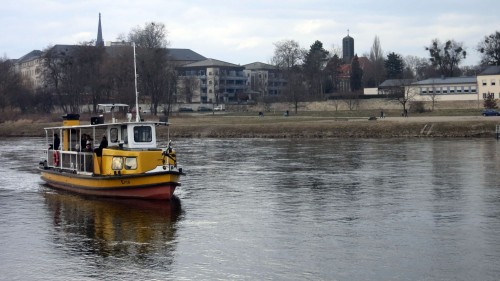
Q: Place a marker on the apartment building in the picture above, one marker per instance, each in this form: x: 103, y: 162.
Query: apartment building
x: 30, y: 67
x: 212, y: 81
x: 264, y: 80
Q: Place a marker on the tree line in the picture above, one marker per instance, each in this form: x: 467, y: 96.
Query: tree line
x: 89, y: 75
x: 316, y: 73
x: 86, y: 75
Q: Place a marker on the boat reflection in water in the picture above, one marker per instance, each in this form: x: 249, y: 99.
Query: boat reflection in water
x: 111, y: 227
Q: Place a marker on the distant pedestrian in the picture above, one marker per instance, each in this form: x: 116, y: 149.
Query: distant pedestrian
x: 382, y: 113
x: 406, y: 113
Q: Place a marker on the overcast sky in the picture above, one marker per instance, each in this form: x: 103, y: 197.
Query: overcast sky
x: 242, y: 32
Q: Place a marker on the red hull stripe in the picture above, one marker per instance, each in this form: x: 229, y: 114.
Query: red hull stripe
x: 162, y: 191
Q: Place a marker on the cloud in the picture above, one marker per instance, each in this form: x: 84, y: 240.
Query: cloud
x: 238, y: 31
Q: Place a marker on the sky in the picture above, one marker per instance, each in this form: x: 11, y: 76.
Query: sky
x: 243, y: 32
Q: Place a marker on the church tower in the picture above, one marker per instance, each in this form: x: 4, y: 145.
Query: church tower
x: 347, y: 48
x: 99, y: 42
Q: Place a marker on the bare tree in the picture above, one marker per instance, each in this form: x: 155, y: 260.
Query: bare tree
x: 89, y: 74
x: 118, y: 75
x: 490, y: 49
x: 420, y: 68
x: 351, y: 99
x: 152, y: 35
x: 446, y: 57
x: 188, y: 86
x: 287, y: 54
x: 335, y: 50
x: 13, y: 90
x: 154, y: 67
x: 433, y: 97
x: 53, y: 74
x: 403, y: 93
x: 295, y: 91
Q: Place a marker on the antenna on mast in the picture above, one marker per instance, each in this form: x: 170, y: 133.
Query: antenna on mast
x: 137, y: 111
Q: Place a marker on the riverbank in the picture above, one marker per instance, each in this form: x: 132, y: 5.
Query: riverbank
x: 225, y: 126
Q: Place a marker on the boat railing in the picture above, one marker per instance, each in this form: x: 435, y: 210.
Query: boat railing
x: 75, y: 161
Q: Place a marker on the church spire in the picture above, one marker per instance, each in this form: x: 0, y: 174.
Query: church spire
x: 99, y: 42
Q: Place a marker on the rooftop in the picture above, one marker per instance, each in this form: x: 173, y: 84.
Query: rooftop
x: 491, y: 70
x: 447, y: 80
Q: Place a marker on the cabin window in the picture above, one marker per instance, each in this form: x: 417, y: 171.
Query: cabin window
x: 117, y: 163
x: 143, y: 134
x: 130, y: 163
x: 113, y: 135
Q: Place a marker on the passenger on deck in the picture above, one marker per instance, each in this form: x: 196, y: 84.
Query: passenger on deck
x: 57, y: 142
x: 104, y: 144
x: 83, y: 142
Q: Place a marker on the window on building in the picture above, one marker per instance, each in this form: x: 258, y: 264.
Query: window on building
x: 485, y: 95
x: 473, y: 89
x: 484, y: 82
x: 492, y: 82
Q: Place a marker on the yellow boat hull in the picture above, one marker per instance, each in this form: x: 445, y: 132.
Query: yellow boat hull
x: 159, y: 185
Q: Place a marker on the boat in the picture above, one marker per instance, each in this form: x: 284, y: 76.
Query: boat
x: 128, y: 162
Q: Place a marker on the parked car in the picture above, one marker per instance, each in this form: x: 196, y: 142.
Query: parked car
x: 204, y: 108
x: 490, y: 112
x: 185, y: 109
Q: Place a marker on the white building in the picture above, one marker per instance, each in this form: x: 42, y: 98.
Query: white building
x: 446, y: 89
x: 30, y: 67
x: 488, y: 82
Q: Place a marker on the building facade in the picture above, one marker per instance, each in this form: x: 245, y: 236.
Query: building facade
x: 446, y: 89
x: 30, y: 67
x: 488, y: 83
x: 211, y: 81
x: 264, y: 79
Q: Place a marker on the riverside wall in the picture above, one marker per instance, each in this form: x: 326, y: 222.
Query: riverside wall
x: 361, y: 104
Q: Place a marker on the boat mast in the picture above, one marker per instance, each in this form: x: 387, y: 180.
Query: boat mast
x: 137, y: 111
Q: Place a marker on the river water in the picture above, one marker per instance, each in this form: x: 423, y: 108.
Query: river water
x: 267, y: 209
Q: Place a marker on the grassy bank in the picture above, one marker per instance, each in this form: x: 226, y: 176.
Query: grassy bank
x: 312, y: 125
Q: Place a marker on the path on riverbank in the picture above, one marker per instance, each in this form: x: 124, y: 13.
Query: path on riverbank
x: 226, y: 126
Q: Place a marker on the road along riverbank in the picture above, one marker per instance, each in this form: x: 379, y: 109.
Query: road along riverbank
x: 220, y: 126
